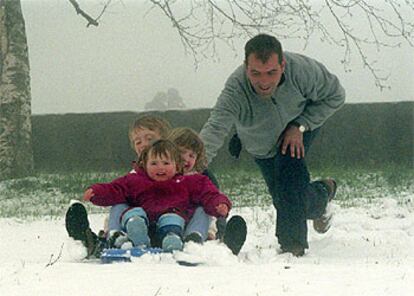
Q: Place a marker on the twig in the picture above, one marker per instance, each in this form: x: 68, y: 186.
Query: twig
x: 156, y: 293
x: 51, y: 261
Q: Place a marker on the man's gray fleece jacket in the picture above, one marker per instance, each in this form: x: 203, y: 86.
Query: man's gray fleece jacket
x: 308, y: 94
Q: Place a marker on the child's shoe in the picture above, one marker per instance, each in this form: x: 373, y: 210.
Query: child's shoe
x: 172, y: 242
x: 194, y: 237
x: 137, y: 231
x: 117, y: 238
x: 76, y: 221
x: 235, y: 235
x: 77, y: 226
x: 221, y: 224
x: 94, y: 244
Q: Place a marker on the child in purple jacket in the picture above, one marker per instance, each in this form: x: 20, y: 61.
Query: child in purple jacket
x: 159, y: 193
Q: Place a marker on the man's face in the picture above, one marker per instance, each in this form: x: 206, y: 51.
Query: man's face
x: 264, y: 77
x: 142, y: 138
x: 160, y: 168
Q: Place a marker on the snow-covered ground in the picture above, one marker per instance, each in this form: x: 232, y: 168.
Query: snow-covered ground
x: 368, y: 251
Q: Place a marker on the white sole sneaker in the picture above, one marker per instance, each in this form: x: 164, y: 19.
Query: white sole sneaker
x: 323, y: 224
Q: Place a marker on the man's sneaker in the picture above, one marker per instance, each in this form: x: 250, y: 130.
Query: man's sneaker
x: 194, y: 237
x: 137, y: 231
x: 77, y: 226
x: 323, y: 223
x: 172, y: 242
x: 235, y: 235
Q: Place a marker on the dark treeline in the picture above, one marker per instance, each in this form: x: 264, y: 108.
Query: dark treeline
x: 364, y: 135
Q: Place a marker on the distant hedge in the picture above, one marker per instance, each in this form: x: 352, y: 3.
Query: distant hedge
x: 374, y: 134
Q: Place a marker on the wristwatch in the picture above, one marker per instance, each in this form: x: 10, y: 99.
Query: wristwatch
x: 301, y: 127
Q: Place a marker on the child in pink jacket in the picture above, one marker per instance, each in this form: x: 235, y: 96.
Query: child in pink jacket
x: 159, y: 193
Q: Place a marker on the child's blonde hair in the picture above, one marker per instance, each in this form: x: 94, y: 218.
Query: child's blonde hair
x: 162, y: 148
x: 150, y: 122
x: 187, y: 138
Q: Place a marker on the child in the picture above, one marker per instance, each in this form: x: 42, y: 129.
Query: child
x: 202, y: 226
x: 147, y: 129
x: 141, y: 134
x: 158, y: 193
x: 191, y: 147
x: 194, y: 161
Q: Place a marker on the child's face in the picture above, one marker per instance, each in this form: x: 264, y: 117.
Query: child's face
x: 189, y: 157
x: 160, y: 168
x: 142, y: 138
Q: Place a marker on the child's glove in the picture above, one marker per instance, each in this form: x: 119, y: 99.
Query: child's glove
x: 235, y: 146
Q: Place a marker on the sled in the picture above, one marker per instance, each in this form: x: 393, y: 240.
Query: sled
x: 124, y: 255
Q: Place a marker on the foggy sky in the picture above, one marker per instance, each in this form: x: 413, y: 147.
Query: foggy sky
x: 121, y: 64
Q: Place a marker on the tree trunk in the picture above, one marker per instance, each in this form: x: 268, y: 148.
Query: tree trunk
x: 16, y: 154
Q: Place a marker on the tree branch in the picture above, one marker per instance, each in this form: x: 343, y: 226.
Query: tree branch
x: 91, y: 21
x: 388, y: 23
x: 201, y: 24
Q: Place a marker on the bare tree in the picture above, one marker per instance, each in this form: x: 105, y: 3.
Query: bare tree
x: 202, y: 24
x: 174, y: 100
x: 166, y: 100
x: 16, y: 156
x: 158, y: 102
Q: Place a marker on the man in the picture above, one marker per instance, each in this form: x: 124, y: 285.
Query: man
x: 278, y: 101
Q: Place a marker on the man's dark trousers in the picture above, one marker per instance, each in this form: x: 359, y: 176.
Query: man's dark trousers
x: 295, y: 198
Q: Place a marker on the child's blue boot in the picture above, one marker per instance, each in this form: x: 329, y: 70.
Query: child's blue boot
x: 135, y: 224
x: 137, y: 231
x: 172, y: 242
x: 169, y: 230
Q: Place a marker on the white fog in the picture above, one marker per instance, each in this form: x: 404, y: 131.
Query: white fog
x: 135, y: 53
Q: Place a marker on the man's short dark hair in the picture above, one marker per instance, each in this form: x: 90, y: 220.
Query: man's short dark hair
x: 263, y: 46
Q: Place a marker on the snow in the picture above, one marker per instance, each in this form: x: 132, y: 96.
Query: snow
x: 368, y: 251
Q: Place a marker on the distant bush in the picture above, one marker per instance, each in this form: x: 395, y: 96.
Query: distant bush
x: 364, y: 135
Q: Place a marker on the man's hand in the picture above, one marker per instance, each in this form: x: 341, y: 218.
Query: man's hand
x: 222, y: 209
x: 88, y: 195
x: 293, y: 139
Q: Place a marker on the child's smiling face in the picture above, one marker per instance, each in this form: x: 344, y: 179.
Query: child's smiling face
x: 142, y: 138
x: 160, y: 167
x: 189, y: 158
